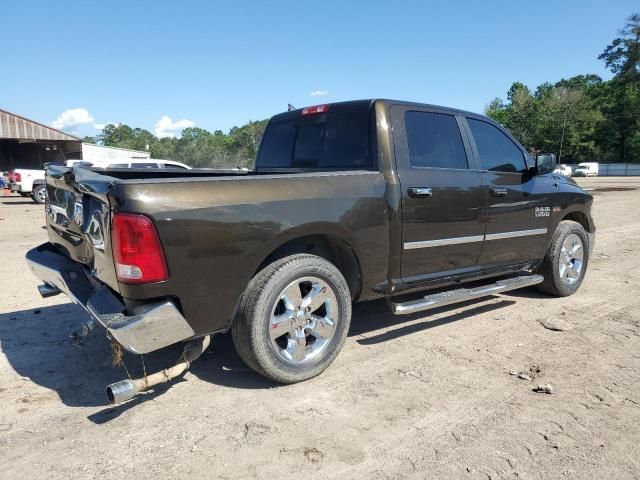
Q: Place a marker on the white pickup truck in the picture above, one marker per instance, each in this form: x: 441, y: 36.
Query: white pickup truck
x: 28, y: 183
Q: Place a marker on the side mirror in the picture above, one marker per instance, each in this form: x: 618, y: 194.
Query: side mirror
x: 545, y: 163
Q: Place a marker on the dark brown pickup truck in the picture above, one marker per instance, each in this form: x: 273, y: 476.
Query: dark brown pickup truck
x: 348, y: 202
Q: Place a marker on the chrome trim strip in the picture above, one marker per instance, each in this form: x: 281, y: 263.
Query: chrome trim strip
x: 516, y: 234
x: 475, y: 238
x: 442, y: 242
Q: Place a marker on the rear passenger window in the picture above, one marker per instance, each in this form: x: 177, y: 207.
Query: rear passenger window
x: 497, y: 152
x: 434, y: 140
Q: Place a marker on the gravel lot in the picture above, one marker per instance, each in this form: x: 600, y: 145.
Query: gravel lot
x: 426, y: 396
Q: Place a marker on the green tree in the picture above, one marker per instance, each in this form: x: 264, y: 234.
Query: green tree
x: 619, y: 99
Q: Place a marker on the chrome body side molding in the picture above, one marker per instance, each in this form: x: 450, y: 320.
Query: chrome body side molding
x: 475, y: 238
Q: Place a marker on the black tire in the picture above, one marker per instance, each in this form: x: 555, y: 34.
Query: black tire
x: 251, y: 328
x: 553, y: 284
x: 38, y: 193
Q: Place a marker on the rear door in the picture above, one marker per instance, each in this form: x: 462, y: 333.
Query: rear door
x: 443, y: 199
x: 518, y: 202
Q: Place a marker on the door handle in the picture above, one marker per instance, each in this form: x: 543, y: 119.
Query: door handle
x: 498, y: 192
x: 419, y: 192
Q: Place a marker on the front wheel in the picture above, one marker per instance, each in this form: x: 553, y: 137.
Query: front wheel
x: 566, y: 261
x: 293, y: 318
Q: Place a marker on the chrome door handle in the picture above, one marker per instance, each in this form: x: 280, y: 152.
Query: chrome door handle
x: 498, y: 192
x: 419, y: 192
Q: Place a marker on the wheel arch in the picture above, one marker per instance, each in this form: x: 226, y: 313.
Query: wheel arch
x: 578, y: 217
x: 324, y: 241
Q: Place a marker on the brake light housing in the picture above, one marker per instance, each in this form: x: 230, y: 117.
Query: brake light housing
x: 137, y: 251
x: 314, y: 110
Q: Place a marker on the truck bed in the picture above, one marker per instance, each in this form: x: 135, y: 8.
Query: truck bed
x: 216, y: 227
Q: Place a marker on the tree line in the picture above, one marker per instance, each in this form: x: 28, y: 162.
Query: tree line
x: 196, y: 146
x: 584, y: 117
x: 579, y: 119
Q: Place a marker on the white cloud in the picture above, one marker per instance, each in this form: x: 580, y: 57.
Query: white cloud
x: 165, y: 127
x: 72, y: 118
x: 319, y: 93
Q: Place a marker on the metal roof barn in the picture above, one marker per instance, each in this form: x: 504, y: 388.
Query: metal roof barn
x: 14, y: 126
x: 25, y: 143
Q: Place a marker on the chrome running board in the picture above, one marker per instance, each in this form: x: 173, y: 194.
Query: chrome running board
x: 464, y: 294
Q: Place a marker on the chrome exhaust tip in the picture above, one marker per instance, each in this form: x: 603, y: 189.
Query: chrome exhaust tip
x: 121, y: 391
x: 126, y: 389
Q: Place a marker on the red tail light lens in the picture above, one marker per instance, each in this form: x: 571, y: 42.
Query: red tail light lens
x: 315, y: 109
x: 17, y: 177
x: 137, y: 251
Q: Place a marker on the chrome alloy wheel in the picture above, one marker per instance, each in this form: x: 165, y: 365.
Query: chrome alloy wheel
x: 570, y: 261
x: 303, y: 320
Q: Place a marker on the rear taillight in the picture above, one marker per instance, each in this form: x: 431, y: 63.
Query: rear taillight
x: 137, y: 251
x: 315, y: 109
x: 17, y: 177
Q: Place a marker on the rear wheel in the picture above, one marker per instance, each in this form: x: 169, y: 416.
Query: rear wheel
x: 293, y: 318
x: 566, y: 261
x: 39, y: 194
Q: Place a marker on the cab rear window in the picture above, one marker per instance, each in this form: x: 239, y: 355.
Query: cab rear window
x: 333, y: 140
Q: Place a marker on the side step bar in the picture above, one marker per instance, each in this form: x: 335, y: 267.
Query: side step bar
x: 464, y: 294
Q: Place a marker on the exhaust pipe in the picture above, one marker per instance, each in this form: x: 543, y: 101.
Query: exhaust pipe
x: 126, y: 389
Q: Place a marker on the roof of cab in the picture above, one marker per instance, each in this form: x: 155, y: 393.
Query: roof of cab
x: 367, y: 103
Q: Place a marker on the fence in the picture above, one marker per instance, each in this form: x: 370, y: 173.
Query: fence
x: 618, y: 169
x: 615, y: 169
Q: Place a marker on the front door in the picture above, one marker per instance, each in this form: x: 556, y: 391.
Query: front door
x: 443, y: 199
x: 518, y: 202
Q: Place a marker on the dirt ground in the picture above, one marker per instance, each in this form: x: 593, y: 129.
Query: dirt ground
x: 425, y: 396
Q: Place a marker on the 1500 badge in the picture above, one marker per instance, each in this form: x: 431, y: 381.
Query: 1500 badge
x: 543, y: 211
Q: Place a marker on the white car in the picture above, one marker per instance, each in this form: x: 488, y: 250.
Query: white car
x: 129, y: 163
x: 586, y: 169
x: 563, y: 169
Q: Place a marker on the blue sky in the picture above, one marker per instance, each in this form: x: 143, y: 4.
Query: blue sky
x: 220, y: 64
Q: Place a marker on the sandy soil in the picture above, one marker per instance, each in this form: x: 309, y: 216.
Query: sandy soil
x: 427, y: 396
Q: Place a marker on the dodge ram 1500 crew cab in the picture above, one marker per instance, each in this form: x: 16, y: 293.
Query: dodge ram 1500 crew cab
x: 347, y: 202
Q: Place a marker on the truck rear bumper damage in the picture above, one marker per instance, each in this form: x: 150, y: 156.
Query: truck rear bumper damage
x: 154, y: 326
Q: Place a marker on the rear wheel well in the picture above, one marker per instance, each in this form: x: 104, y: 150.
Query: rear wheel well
x: 329, y: 247
x: 578, y: 217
